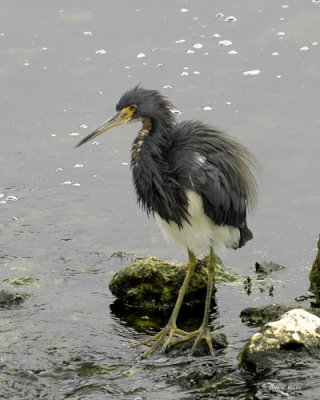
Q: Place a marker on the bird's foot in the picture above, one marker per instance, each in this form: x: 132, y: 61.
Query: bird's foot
x: 203, y: 333
x: 164, y: 338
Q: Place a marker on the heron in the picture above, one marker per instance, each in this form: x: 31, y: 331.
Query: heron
x: 198, y: 183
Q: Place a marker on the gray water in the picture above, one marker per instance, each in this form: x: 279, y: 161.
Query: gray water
x: 65, y: 211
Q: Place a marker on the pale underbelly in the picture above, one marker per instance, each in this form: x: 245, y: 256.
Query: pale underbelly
x: 202, y: 232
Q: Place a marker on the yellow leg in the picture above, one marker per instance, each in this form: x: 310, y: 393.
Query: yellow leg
x: 203, y: 333
x: 165, y: 336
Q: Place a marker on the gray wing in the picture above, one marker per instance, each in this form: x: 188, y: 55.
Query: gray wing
x: 224, y: 200
x: 219, y: 169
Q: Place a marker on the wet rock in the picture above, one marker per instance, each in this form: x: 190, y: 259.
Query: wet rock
x: 267, y: 267
x: 153, y: 284
x: 8, y: 299
x: 297, y: 330
x: 261, y: 315
x: 257, y: 316
x: 219, y: 341
x: 315, y: 277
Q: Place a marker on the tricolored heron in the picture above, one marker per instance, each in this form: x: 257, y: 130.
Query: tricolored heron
x: 196, y: 181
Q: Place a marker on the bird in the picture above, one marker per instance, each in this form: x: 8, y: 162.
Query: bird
x: 198, y: 182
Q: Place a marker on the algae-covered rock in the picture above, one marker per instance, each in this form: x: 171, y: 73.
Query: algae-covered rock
x: 315, y: 276
x: 22, y: 281
x: 258, y: 316
x: 8, y: 299
x: 153, y: 284
x: 296, y: 330
x: 261, y: 315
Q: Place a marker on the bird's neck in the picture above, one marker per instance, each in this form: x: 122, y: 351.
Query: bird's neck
x: 137, y: 144
x: 148, y: 161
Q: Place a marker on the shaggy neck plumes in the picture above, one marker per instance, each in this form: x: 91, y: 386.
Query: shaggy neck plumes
x: 156, y: 187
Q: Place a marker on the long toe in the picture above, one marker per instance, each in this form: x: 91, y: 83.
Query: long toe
x: 165, y: 338
x: 203, y: 334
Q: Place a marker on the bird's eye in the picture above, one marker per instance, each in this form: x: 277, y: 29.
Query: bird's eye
x: 133, y: 108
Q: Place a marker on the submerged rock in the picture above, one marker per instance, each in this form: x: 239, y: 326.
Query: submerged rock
x: 296, y: 330
x: 8, y: 299
x: 153, y: 284
x: 22, y: 280
x: 315, y: 277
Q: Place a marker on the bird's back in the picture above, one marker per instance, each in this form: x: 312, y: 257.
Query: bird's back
x: 219, y: 169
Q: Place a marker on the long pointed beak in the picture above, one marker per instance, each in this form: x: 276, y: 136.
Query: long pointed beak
x: 119, y: 118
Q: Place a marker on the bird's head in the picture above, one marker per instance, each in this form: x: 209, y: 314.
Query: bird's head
x: 136, y: 105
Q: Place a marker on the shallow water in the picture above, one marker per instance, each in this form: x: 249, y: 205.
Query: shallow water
x: 64, y: 212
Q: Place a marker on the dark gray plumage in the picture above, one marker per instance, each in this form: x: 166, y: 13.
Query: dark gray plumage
x: 196, y: 181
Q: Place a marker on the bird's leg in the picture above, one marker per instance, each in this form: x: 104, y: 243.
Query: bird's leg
x: 203, y: 333
x: 171, y: 329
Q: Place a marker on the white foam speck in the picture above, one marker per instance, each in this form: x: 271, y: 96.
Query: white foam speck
x: 59, y: 169
x: 207, y: 108
x: 102, y: 51
x: 184, y: 73
x: 190, y: 51
x: 66, y: 183
x: 140, y: 55
x: 252, y: 72
x: 78, y: 166
x: 233, y: 52
x: 124, y: 163
x: 87, y: 33
x: 197, y: 46
x: 76, y: 184
x: 315, y: 43
x: 285, y: 6
x: 278, y: 76
x: 304, y: 48
x: 184, y: 10
x: 219, y: 15
x: 231, y: 18
x: 275, y: 53
x: 281, y: 34
x: 196, y: 72
x: 180, y: 41
x: 225, y: 42
x: 11, y: 198
x: 84, y: 126
x: 74, y: 134
x: 216, y: 35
